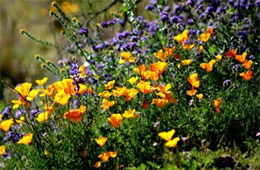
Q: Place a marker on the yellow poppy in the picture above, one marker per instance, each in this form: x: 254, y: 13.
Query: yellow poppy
x: 199, y: 96
x: 161, y: 55
x: 97, y: 164
x: 2, y: 149
x: 191, y: 92
x: 186, y: 62
x: 133, y: 80
x: 182, y: 36
x: 105, y: 94
x: 188, y: 46
x: 42, y: 81
x: 130, y: 93
x: 42, y: 117
x: 159, y: 67
x: 193, y: 80
x: 160, y: 102
x: 144, y: 87
x: 217, y: 102
x: 113, y: 154
x: 219, y: 57
x: 167, y: 135
x: 104, y: 156
x: 115, y: 120
x: 26, y: 139
x: 204, y: 37
x: 129, y: 114
x: 101, y: 141
x: 6, y: 124
x: 110, y: 85
x: 107, y: 104
x: 172, y: 143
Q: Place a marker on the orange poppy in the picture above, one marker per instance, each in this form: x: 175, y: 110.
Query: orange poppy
x: 101, y: 141
x: 247, y: 64
x: 115, y: 120
x: 75, y: 115
x: 231, y: 53
x: 193, y: 80
x: 208, y: 66
x: 247, y: 75
x: 241, y: 58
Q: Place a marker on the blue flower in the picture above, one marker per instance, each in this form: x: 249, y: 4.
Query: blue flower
x: 83, y: 31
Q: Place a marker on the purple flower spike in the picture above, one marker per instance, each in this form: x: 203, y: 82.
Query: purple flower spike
x: 190, y: 21
x: 226, y: 82
x: 83, y: 31
x: 6, y: 111
x: 164, y: 16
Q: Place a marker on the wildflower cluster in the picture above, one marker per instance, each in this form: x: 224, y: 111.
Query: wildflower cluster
x: 184, y: 71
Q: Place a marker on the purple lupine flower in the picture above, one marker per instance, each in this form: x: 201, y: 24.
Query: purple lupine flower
x: 209, y: 9
x: 153, y: 2
x: 226, y: 82
x: 99, y: 47
x: 176, y: 19
x: 152, y: 27
x: 83, y: 31
x: 7, y: 155
x: 202, y: 16
x: 63, y: 62
x: 16, y: 137
x: 231, y: 2
x: 34, y: 111
x: 74, y: 71
x: 104, y: 24
x: 177, y: 9
x: 134, y: 38
x: 251, y: 57
x: 220, y: 10
x: 122, y: 35
x: 19, y: 113
x: 164, y: 16
x: 199, y: 2
x: 200, y: 8
x: 190, y: 21
x: 92, y: 80
x: 193, y: 32
x: 236, y: 66
x: 190, y: 2
x: 242, y: 34
x: 149, y: 7
x: 187, y: 42
x: 167, y: 9
x: 6, y: 112
x: 8, y: 135
x: 257, y: 3
x: 113, y: 41
x: 100, y: 66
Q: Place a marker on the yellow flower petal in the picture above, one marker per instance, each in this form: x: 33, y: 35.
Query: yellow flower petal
x: 26, y: 139
x: 42, y: 81
x: 167, y: 135
x: 172, y: 143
